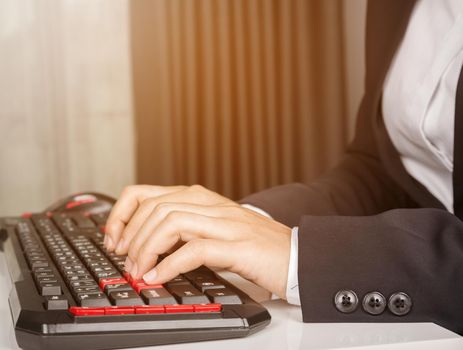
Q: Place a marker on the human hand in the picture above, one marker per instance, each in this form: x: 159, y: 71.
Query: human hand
x: 150, y: 220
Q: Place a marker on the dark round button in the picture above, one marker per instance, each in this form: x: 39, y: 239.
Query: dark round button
x: 346, y: 301
x: 374, y: 303
x: 400, y: 303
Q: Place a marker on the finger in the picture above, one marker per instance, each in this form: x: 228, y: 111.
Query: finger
x: 124, y: 208
x: 137, y: 240
x: 144, y: 210
x: 191, y: 256
x: 179, y: 226
x: 138, y: 218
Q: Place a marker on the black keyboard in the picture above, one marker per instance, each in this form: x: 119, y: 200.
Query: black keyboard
x: 69, y: 293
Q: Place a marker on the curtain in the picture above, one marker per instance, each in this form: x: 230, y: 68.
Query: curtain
x: 65, y: 101
x: 240, y: 95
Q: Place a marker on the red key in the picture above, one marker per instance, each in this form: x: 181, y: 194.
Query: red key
x: 26, y: 215
x: 207, y: 307
x: 170, y: 309
x: 106, y: 281
x: 149, y: 309
x: 74, y: 204
x: 87, y: 311
x: 133, y: 282
x: 119, y: 310
x: 140, y: 286
x: 128, y: 277
x: 103, y: 229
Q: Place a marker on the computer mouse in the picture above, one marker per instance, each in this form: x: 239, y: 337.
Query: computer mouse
x: 86, y: 202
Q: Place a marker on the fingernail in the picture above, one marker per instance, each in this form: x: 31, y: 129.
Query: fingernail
x: 105, y: 241
x: 134, y: 269
x: 150, y: 276
x: 128, y: 264
x: 120, y: 245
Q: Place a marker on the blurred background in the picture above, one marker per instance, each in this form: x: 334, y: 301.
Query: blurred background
x: 236, y: 95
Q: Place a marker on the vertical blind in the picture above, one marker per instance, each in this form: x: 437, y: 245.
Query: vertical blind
x: 237, y: 95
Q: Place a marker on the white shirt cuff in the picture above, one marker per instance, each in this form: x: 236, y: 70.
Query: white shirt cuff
x: 292, y: 286
x: 257, y: 210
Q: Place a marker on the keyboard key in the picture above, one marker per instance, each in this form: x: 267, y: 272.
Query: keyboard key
x: 83, y: 222
x: 94, y: 265
x: 206, y: 284
x: 142, y: 285
x: 80, y: 272
x: 87, y: 311
x: 178, y: 280
x: 133, y: 282
x: 86, y: 290
x: 128, y: 277
x: 97, y: 269
x: 120, y: 265
x: 106, y: 281
x: 80, y: 278
x: 115, y: 258
x: 46, y: 288
x: 96, y: 259
x: 77, y: 284
x: 41, y: 263
x: 47, y: 279
x: 149, y: 309
x: 42, y: 269
x: 35, y: 253
x: 36, y: 258
x: 108, y: 274
x: 173, y: 309
x: 44, y: 274
x: 223, y: 296
x: 62, y: 259
x: 72, y: 267
x: 187, y: 294
x: 207, y: 308
x: 56, y: 302
x: 199, y: 274
x: 119, y: 287
x: 157, y: 296
x: 93, y: 299
x: 127, y: 298
x: 118, y: 310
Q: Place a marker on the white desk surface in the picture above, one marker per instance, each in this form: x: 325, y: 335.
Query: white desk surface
x: 286, y: 331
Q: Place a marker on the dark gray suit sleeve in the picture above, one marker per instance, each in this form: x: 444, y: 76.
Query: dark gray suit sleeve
x: 357, y: 186
x: 415, y: 251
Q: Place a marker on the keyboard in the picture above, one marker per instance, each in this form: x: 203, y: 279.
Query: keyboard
x: 70, y: 293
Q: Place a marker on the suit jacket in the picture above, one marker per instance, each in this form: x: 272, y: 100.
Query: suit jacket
x: 367, y: 225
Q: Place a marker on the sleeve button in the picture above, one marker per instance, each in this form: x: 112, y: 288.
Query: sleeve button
x: 346, y: 301
x: 400, y: 304
x: 374, y: 303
